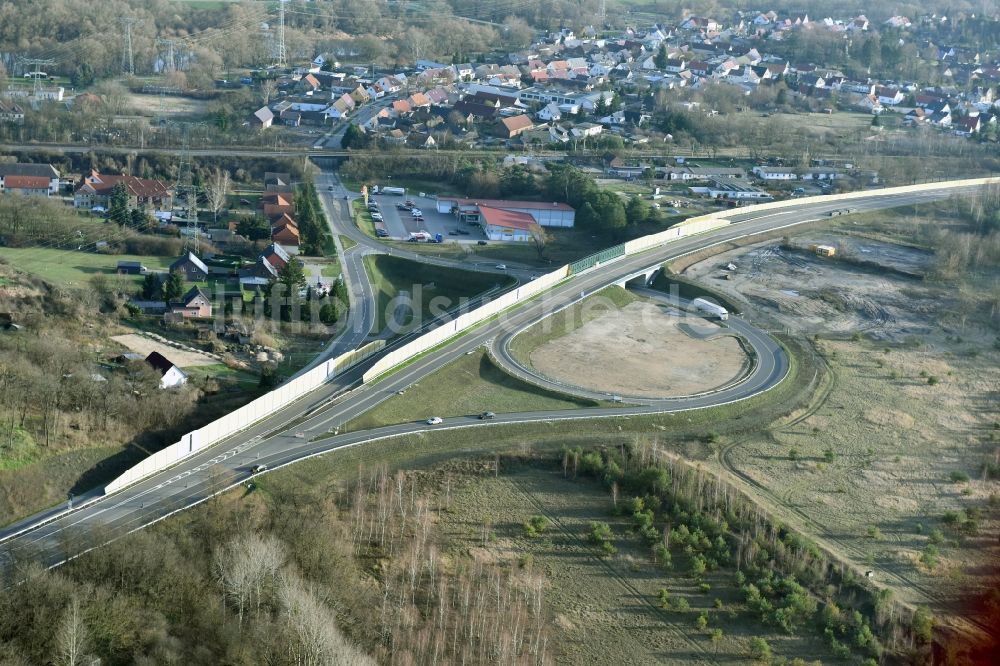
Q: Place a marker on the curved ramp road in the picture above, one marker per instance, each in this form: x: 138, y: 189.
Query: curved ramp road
x: 294, y: 432
x: 770, y: 367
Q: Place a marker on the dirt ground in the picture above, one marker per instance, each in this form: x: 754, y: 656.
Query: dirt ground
x: 143, y: 345
x: 803, y: 293
x: 913, y: 400
x: 641, y: 350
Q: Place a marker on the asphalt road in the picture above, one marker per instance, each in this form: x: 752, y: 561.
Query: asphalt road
x: 293, y: 433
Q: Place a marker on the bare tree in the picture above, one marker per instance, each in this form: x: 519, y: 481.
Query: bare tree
x: 540, y: 238
x: 268, y: 88
x: 216, y: 190
x: 71, y: 641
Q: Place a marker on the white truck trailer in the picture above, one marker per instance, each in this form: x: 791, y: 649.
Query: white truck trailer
x: 709, y: 308
x: 396, y: 191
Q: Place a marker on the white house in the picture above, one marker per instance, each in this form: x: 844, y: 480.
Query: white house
x: 170, y: 375
x: 774, y: 173
x: 551, y: 111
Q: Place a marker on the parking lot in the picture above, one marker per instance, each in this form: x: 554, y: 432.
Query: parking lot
x: 401, y: 223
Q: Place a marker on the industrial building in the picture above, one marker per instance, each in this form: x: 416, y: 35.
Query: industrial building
x: 545, y: 214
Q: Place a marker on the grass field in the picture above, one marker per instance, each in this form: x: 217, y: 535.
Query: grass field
x: 605, y: 610
x: 69, y: 268
x: 433, y: 289
x: 484, y: 388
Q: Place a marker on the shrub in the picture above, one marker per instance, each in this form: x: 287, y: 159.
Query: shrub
x: 875, y: 533
x: 535, y: 526
x: 701, y: 621
x: 958, y: 477
x: 829, y: 455
x: 680, y: 604
x: 760, y: 650
x: 712, y: 437
x: 793, y: 454
x: 932, y: 380
x: 704, y: 588
x: 664, y: 598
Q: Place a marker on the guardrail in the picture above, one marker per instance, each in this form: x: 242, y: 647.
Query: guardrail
x: 281, y: 397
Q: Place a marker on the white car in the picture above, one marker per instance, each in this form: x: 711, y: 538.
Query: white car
x: 416, y: 212
x: 435, y: 420
x: 501, y: 267
x: 377, y: 217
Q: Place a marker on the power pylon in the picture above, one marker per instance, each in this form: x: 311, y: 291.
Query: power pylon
x: 36, y: 82
x: 170, y: 64
x: 128, y: 60
x: 281, y: 56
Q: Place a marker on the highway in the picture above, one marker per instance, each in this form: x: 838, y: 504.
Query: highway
x: 302, y: 429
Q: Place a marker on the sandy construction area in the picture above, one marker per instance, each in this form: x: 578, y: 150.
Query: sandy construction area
x: 143, y: 345
x: 640, y: 351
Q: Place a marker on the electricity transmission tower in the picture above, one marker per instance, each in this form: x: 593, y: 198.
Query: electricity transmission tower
x: 36, y: 78
x: 281, y: 56
x: 186, y: 193
x: 128, y: 61
x: 170, y: 64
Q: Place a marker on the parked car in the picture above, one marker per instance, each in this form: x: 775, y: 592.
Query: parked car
x: 377, y: 217
x: 400, y: 206
x: 257, y: 469
x: 434, y: 420
x: 452, y: 233
x: 330, y: 188
x: 416, y: 212
x: 463, y: 232
x: 486, y: 416
x: 419, y: 218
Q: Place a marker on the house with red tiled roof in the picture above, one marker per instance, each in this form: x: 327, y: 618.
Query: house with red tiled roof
x: 28, y: 179
x: 277, y: 203
x: 142, y: 192
x: 401, y: 107
x: 508, y: 128
x: 288, y: 235
x: 418, y: 100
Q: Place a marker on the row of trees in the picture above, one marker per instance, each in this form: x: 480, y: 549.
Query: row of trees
x: 697, y: 522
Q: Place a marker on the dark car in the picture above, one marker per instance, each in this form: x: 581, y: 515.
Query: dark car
x: 419, y: 218
x: 486, y: 416
x: 481, y: 243
x: 452, y: 233
x: 463, y: 232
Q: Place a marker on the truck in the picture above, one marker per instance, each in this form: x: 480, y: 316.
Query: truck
x: 709, y: 308
x: 419, y: 236
x: 438, y: 238
x: 397, y: 191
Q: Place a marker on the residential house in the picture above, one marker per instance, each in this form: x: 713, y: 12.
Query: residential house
x: 276, y: 255
x: 262, y: 118
x: 508, y: 128
x: 775, y: 173
x: 675, y: 65
x: 730, y: 189
x: 420, y: 140
x: 401, y: 107
x: 276, y: 203
x: 360, y: 96
x: 584, y: 130
x: 476, y: 110
x: 142, y: 193
x: 195, y: 303
x: 309, y: 84
x: 170, y: 375
x: 287, y: 234
x: 193, y: 268
x: 551, y: 112
x: 889, y: 96
x: 277, y: 182
x: 968, y: 125
x: 10, y: 112
x: 39, y: 179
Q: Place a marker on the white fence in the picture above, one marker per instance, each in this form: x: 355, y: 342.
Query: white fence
x: 462, y: 322
x: 294, y: 389
x: 248, y: 414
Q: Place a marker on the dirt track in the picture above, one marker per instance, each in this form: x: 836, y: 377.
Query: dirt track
x: 640, y: 351
x: 143, y: 345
